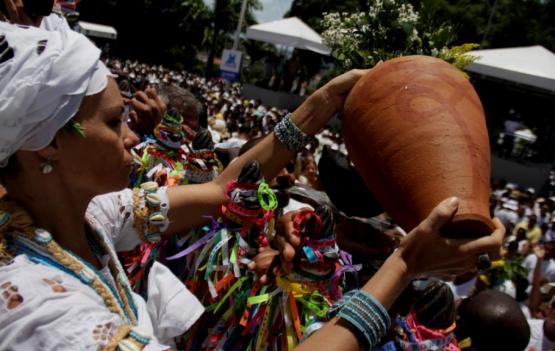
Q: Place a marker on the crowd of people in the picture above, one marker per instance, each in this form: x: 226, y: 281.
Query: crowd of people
x: 219, y: 106
x: 149, y: 208
x: 234, y: 121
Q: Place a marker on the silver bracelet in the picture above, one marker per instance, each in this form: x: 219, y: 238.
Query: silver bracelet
x: 291, y: 136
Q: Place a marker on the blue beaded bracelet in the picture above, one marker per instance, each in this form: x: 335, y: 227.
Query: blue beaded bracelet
x: 369, y: 316
x: 364, y: 313
x: 370, y: 335
x: 338, y: 305
x: 291, y: 136
x: 371, y: 301
x: 372, y: 311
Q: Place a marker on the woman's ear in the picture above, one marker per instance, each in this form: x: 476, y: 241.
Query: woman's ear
x: 49, y: 152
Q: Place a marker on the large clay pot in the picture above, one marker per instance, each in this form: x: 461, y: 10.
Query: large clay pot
x: 416, y: 132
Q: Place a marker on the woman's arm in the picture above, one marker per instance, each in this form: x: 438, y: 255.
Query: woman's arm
x: 424, y: 252
x: 535, y: 293
x: 190, y: 204
x: 386, y: 285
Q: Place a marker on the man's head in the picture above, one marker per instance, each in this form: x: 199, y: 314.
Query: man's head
x: 520, y: 211
x: 532, y: 220
x: 493, y: 321
x: 184, y: 102
x: 340, y: 180
x: 520, y: 234
x: 549, y: 250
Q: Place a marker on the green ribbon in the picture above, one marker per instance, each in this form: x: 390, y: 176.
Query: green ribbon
x: 315, y: 303
x: 145, y: 157
x: 266, y: 197
x: 233, y: 257
x: 173, y: 119
x: 258, y: 299
x: 234, y: 287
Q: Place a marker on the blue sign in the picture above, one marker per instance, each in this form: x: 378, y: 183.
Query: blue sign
x: 230, y: 66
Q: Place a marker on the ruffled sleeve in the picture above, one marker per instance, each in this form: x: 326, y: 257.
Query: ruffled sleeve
x: 115, y: 214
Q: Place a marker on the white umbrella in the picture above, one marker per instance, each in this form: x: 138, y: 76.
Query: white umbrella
x: 290, y: 32
x: 533, y: 66
x: 96, y: 30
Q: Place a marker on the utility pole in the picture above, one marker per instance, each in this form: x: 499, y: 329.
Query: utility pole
x: 239, y: 25
x: 490, y: 20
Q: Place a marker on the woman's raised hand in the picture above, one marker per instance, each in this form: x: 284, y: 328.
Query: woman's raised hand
x: 325, y: 102
x: 427, y: 253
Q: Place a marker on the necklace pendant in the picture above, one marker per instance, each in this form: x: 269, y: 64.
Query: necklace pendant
x: 122, y: 278
x: 42, y: 236
x: 86, y: 276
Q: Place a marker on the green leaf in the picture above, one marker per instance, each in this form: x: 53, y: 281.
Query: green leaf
x: 74, y: 127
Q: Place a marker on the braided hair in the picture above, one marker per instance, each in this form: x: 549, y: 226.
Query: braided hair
x: 435, y: 306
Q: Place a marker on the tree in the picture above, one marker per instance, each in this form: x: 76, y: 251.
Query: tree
x: 162, y: 31
x: 513, y: 22
x: 311, y: 11
x: 388, y: 29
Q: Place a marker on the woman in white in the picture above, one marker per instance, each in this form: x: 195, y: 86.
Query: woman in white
x: 64, y: 142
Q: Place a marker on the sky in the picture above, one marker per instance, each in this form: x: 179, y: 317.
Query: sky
x: 271, y: 9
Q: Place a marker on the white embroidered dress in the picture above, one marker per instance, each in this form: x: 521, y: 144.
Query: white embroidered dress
x: 44, y: 308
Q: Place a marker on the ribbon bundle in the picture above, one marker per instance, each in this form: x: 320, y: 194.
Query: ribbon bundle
x: 242, y: 313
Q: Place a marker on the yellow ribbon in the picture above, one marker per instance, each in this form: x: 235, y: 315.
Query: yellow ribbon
x: 465, y: 343
x: 297, y: 289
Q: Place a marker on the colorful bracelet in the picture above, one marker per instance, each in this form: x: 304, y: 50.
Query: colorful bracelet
x: 362, y: 311
x: 291, y: 136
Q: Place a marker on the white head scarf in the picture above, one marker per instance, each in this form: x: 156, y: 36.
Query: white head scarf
x: 42, y: 85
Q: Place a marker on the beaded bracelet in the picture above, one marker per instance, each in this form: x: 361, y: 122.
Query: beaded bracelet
x: 364, y: 313
x: 148, y: 215
x: 291, y: 136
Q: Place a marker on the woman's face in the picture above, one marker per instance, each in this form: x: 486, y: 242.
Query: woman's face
x: 100, y: 162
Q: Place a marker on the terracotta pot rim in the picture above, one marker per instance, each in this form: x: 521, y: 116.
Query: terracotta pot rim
x: 469, y: 225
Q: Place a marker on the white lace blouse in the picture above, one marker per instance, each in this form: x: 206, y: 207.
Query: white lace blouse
x: 44, y: 308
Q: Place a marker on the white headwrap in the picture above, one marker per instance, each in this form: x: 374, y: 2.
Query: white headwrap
x: 42, y: 85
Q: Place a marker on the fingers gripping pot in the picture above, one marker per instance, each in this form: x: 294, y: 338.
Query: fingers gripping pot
x: 415, y: 130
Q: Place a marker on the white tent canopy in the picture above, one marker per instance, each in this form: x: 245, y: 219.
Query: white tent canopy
x: 533, y: 66
x: 96, y: 30
x: 290, y: 32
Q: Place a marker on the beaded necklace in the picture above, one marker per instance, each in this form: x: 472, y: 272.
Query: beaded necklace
x: 18, y: 231
x: 44, y: 250
x: 18, y: 235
